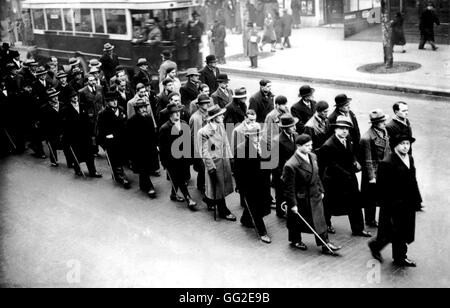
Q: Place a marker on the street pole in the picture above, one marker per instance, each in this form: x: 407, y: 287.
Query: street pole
x: 386, y: 34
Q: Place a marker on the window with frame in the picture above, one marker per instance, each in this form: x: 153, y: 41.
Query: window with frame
x: 38, y: 19
x: 68, y: 19
x: 116, y: 21
x: 98, y: 21
x: 83, y: 20
x: 54, y: 21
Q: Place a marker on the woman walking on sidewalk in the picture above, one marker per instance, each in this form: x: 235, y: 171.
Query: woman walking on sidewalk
x: 269, y: 36
x: 398, y: 36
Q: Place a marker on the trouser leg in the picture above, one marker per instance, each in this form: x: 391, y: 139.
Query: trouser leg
x: 399, y: 250
x: 222, y: 207
x: 90, y: 163
x: 379, y: 243
x: 68, y: 155
x: 433, y: 45
x: 279, y: 196
x: 287, y: 42
x: 145, y: 183
x: 356, y: 220
x: 369, y: 214
x: 323, y: 236
x: 293, y: 226
x: 422, y: 42
x: 53, y: 151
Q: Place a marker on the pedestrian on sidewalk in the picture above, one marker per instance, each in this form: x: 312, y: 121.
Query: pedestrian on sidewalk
x: 296, y: 6
x: 218, y: 37
x: 399, y: 198
x: 251, y: 40
x: 374, y: 146
x: 304, y: 194
x: 278, y: 27
x: 398, y: 35
x: 426, y: 26
x: 269, y: 36
x: 287, y: 21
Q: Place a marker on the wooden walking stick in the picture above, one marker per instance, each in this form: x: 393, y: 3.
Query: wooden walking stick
x: 50, y: 149
x: 171, y: 182
x: 110, y: 165
x: 251, y: 216
x: 76, y: 160
x: 10, y: 139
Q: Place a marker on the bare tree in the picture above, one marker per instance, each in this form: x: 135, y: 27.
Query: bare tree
x: 386, y: 33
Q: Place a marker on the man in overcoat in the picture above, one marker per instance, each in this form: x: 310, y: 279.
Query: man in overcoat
x: 400, y: 123
x: 426, y: 26
x: 218, y: 36
x: 304, y: 109
x: 251, y: 40
x: 162, y: 99
x: 339, y: 166
x: 262, y: 101
x: 112, y: 137
x: 109, y: 61
x: 195, y: 31
x: 399, y: 199
x: 223, y: 95
x: 142, y: 145
x: 178, y: 168
x: 237, y: 109
x: 189, y: 91
x: 216, y: 154
x: 304, y: 194
x: 318, y: 125
x: 208, y: 74
x: 272, y: 121
x: 374, y: 146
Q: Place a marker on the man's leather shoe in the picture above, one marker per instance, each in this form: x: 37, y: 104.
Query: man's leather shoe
x: 333, y: 247
x: 229, y: 217
x: 152, y: 193
x: 247, y: 224
x: 362, y: 233
x: 95, y: 175
x: 191, y: 204
x: 176, y: 198
x: 54, y: 164
x: 405, y: 262
x: 78, y: 173
x: 331, y: 230
x: 326, y: 251
x: 266, y: 239
x: 126, y: 184
x: 375, y: 253
x: 300, y: 246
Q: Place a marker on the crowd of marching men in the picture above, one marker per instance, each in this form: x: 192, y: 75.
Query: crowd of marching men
x: 308, y: 154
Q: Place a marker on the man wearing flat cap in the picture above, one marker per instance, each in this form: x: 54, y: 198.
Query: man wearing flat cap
x: 262, y: 101
x: 343, y: 109
x: 173, y: 154
x: 304, y: 194
x: 399, y: 198
x: 304, y: 109
x: 237, y: 109
x: 109, y: 61
x: 223, y: 95
x: 209, y: 73
x: 339, y: 166
x: 374, y: 146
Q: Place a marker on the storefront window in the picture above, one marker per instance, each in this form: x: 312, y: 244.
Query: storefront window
x: 115, y: 21
x: 98, y: 21
x: 38, y: 19
x: 54, y: 21
x: 83, y: 21
x: 307, y: 8
x: 365, y: 4
x: 68, y: 19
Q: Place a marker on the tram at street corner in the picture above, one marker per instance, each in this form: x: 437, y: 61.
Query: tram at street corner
x: 63, y: 27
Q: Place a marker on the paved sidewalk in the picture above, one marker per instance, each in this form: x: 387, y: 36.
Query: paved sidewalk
x: 322, y: 55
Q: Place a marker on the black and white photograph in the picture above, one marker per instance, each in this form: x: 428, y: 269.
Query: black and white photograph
x: 201, y: 145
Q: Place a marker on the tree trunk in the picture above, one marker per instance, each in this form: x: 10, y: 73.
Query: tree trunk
x: 386, y: 34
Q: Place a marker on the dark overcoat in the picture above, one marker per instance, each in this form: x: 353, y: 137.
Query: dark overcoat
x: 78, y: 132
x: 399, y: 198
x: 300, y: 111
x: 287, y: 24
x: 339, y: 178
x: 92, y: 103
x: 188, y: 93
x: 122, y: 102
x: 304, y: 189
x: 207, y: 76
x: 142, y: 144
x: 109, y: 65
x: 51, y: 124
x: 355, y: 134
x: 284, y: 151
x: 110, y: 124
x: 221, y: 98
x: 219, y: 34
x: 426, y: 24
x: 235, y: 113
x: 262, y: 104
x: 398, y: 35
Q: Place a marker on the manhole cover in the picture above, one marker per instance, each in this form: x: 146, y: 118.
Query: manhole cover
x: 398, y: 67
x: 242, y: 57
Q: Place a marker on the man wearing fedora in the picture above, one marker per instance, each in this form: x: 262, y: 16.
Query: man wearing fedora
x: 339, y: 166
x: 142, y: 142
x: 318, y: 126
x: 250, y: 180
x: 209, y: 74
x: 50, y: 123
x: 77, y: 81
x: 189, y: 91
x: 195, y: 31
x: 177, y: 168
x: 215, y: 151
x: 196, y: 122
x: 41, y: 85
x: 26, y: 73
x: 166, y: 64
x: 74, y: 63
x: 284, y: 143
x: 223, y: 95
x: 374, y: 146
x: 109, y: 61
x: 343, y: 109
x: 112, y: 137
x: 399, y: 198
x: 262, y: 101
x: 237, y: 109
x: 63, y: 88
x: 304, y: 109
x: 100, y: 80
x: 153, y: 33
x: 304, y: 195
x: 144, y: 75
x: 78, y: 133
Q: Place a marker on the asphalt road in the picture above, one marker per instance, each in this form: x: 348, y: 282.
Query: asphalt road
x: 59, y: 230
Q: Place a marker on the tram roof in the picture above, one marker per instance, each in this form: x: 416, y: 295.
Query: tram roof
x: 113, y: 4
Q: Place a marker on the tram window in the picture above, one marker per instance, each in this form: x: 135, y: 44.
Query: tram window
x: 38, y: 19
x: 54, y: 21
x: 83, y: 21
x: 115, y: 21
x: 68, y: 19
x: 98, y: 21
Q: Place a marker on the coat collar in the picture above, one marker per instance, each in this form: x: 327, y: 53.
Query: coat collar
x: 302, y: 164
